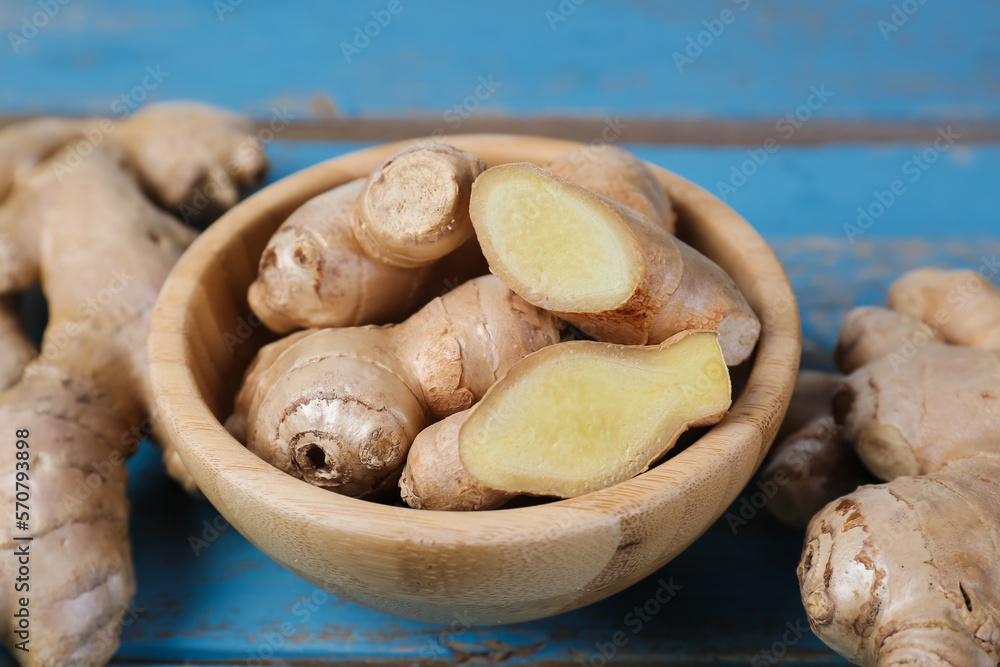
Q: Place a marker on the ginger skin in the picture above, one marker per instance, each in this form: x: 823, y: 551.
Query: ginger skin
x: 570, y: 419
x: 961, y: 304
x: 616, y: 174
x: 101, y: 250
x: 904, y: 573
x: 339, y: 408
x: 810, y: 463
x: 434, y: 477
x: 622, y: 280
x: 375, y: 250
x: 79, y: 400
x: 901, y: 413
x: 870, y: 333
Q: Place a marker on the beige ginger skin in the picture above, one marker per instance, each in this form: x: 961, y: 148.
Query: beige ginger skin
x: 870, y: 333
x: 616, y: 174
x: 963, y: 306
x: 374, y: 250
x: 905, y: 573
x: 85, y: 229
x: 339, y: 408
x: 602, y: 266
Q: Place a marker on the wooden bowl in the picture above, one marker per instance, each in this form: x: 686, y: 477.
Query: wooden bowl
x: 475, y: 568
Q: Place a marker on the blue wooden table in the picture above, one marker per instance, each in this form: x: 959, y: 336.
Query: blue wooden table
x: 854, y: 97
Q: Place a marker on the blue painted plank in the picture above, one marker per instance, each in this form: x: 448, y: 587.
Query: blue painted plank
x: 614, y: 58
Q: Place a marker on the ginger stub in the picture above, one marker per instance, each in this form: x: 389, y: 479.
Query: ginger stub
x: 602, y: 266
x: 571, y: 419
x: 374, y: 250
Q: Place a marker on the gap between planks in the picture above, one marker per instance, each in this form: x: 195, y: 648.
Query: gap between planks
x: 635, y: 130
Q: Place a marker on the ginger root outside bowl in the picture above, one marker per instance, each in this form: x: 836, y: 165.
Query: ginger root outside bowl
x: 497, y: 566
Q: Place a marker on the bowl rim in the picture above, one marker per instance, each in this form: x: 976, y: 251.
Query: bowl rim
x: 201, y: 439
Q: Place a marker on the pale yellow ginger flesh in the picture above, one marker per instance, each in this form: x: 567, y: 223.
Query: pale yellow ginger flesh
x: 434, y: 477
x: 339, y: 408
x: 602, y: 266
x: 961, y: 304
x: 581, y: 416
x: 905, y: 573
x: 374, y: 250
x: 614, y: 173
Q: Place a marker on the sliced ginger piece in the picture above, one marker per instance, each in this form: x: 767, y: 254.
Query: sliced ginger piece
x: 581, y: 416
x: 602, y: 266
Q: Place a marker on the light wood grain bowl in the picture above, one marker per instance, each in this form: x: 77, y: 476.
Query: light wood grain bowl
x: 477, y: 568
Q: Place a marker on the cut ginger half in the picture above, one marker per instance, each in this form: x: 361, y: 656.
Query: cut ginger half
x: 563, y: 247
x: 581, y: 416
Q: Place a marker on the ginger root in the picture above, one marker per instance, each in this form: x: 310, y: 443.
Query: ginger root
x: 870, y: 333
x: 616, y: 174
x: 18, y: 350
x: 602, y: 266
x: 905, y: 573
x: 811, y: 463
x: 434, y: 477
x: 339, y: 408
x: 101, y: 249
x: 901, y: 413
x: 374, y: 250
x: 961, y: 304
x: 571, y: 419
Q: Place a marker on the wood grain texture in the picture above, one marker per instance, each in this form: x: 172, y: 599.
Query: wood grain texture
x: 603, y: 59
x: 501, y: 566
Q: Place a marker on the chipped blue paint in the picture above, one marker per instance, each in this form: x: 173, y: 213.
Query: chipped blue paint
x: 604, y: 58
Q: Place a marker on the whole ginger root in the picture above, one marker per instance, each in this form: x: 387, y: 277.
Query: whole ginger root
x: 101, y: 249
x: 339, y: 408
x: 905, y: 573
x: 602, y: 266
x: 375, y: 250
